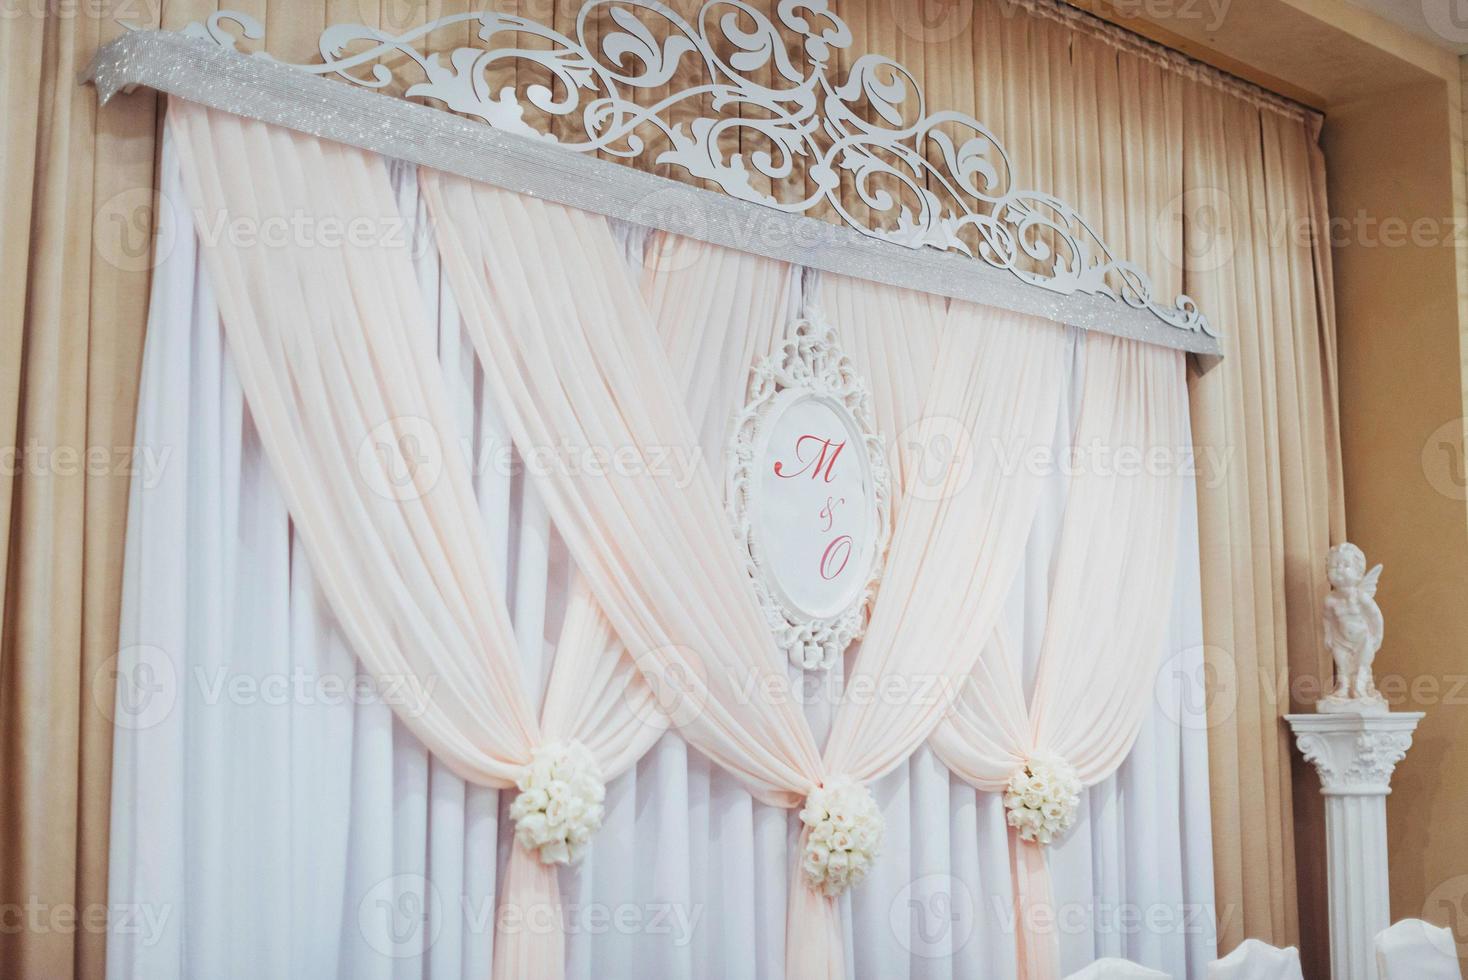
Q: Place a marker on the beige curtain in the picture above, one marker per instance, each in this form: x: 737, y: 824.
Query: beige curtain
x: 75, y: 214
x: 1269, y: 505
x: 1099, y: 120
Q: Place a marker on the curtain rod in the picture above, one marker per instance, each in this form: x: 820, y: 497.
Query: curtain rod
x: 266, y: 90
x: 1086, y: 22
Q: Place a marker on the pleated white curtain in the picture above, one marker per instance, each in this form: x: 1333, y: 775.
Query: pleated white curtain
x: 698, y: 872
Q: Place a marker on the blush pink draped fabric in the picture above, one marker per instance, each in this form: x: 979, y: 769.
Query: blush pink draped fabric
x: 573, y: 352
x: 959, y: 535
x: 892, y: 336
x: 334, y: 355
x: 573, y: 357
x: 1107, y: 615
x: 689, y: 286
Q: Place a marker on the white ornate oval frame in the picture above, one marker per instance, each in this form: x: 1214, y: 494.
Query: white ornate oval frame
x: 808, y: 368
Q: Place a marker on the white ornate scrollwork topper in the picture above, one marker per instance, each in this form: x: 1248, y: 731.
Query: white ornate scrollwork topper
x: 808, y: 495
x: 1353, y: 631
x: 727, y: 97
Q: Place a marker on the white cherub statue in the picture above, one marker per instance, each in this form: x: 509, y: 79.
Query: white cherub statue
x: 1353, y: 630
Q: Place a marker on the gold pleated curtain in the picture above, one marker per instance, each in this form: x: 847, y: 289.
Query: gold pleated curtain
x: 1270, y: 503
x: 1214, y: 189
x: 70, y: 350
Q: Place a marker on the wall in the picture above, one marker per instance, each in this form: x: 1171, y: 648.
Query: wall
x: 1401, y: 383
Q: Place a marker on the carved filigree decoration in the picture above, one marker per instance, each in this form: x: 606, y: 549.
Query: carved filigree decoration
x: 727, y: 80
x: 810, y: 365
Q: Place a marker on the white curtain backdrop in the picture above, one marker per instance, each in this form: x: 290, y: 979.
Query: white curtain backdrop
x: 270, y: 816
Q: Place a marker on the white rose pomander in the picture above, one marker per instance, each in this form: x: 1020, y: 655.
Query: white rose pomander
x: 559, y: 806
x: 845, y: 830
x: 1042, y: 799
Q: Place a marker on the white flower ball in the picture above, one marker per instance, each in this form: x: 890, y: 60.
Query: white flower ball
x: 559, y: 806
x: 1042, y: 799
x: 844, y: 832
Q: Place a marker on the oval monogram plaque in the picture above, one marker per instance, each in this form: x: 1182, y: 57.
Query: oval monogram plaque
x: 808, y: 495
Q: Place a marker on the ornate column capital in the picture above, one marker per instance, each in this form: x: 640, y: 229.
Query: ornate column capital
x: 1355, y: 754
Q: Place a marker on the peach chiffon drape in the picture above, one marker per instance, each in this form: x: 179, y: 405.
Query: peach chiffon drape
x: 1107, y: 613
x: 334, y: 357
x: 337, y: 376
x: 688, y: 285
x: 573, y: 355
x: 892, y: 336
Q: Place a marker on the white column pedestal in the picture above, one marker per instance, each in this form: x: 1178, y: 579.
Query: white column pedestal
x: 1355, y: 755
